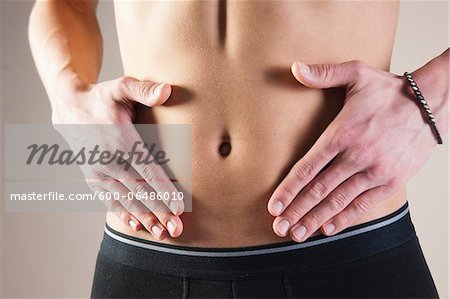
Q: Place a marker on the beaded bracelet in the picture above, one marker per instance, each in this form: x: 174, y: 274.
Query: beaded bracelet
x: 424, y: 104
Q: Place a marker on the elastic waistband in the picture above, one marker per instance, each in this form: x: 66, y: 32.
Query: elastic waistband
x: 273, y: 259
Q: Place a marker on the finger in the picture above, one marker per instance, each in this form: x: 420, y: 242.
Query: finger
x: 144, y: 168
x: 146, y: 217
x: 117, y: 209
x: 328, y: 75
x: 145, y: 92
x: 131, y: 211
x: 303, y: 172
x: 144, y: 179
x: 126, y: 217
x: 152, y: 173
x: 356, y: 209
x: 142, y: 190
x: 315, y: 192
x: 337, y: 200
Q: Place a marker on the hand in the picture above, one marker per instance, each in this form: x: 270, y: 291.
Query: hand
x: 112, y: 102
x: 376, y: 143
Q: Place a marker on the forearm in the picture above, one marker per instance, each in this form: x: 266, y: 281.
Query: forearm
x: 65, y: 42
x: 433, y: 80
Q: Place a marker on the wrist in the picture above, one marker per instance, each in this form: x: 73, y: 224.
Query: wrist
x: 65, y: 87
x: 432, y: 80
x: 64, y: 93
x: 424, y: 105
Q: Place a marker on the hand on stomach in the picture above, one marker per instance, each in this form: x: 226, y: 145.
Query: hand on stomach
x: 245, y: 140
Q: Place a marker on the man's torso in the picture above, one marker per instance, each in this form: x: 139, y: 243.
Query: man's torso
x: 229, y: 65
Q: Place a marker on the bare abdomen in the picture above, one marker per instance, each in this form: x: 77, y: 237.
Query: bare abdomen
x: 251, y: 121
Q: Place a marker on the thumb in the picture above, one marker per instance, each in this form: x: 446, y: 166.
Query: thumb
x: 327, y: 75
x: 147, y: 93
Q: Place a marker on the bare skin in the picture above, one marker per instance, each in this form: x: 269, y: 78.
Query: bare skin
x: 235, y: 83
x: 227, y: 68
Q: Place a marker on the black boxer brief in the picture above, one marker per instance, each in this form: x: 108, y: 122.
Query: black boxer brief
x: 378, y: 259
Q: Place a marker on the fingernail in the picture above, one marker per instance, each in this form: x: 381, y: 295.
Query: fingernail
x: 173, y: 206
x: 157, y: 89
x: 132, y: 224
x: 329, y: 228
x: 156, y: 230
x: 277, y: 207
x: 299, y: 232
x: 304, y: 68
x: 283, y: 226
x: 171, y: 227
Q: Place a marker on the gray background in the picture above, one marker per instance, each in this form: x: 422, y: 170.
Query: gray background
x: 53, y: 255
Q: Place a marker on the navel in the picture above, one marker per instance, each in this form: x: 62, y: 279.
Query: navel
x: 224, y: 148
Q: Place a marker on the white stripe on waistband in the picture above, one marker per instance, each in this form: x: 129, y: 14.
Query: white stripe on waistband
x: 257, y: 251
